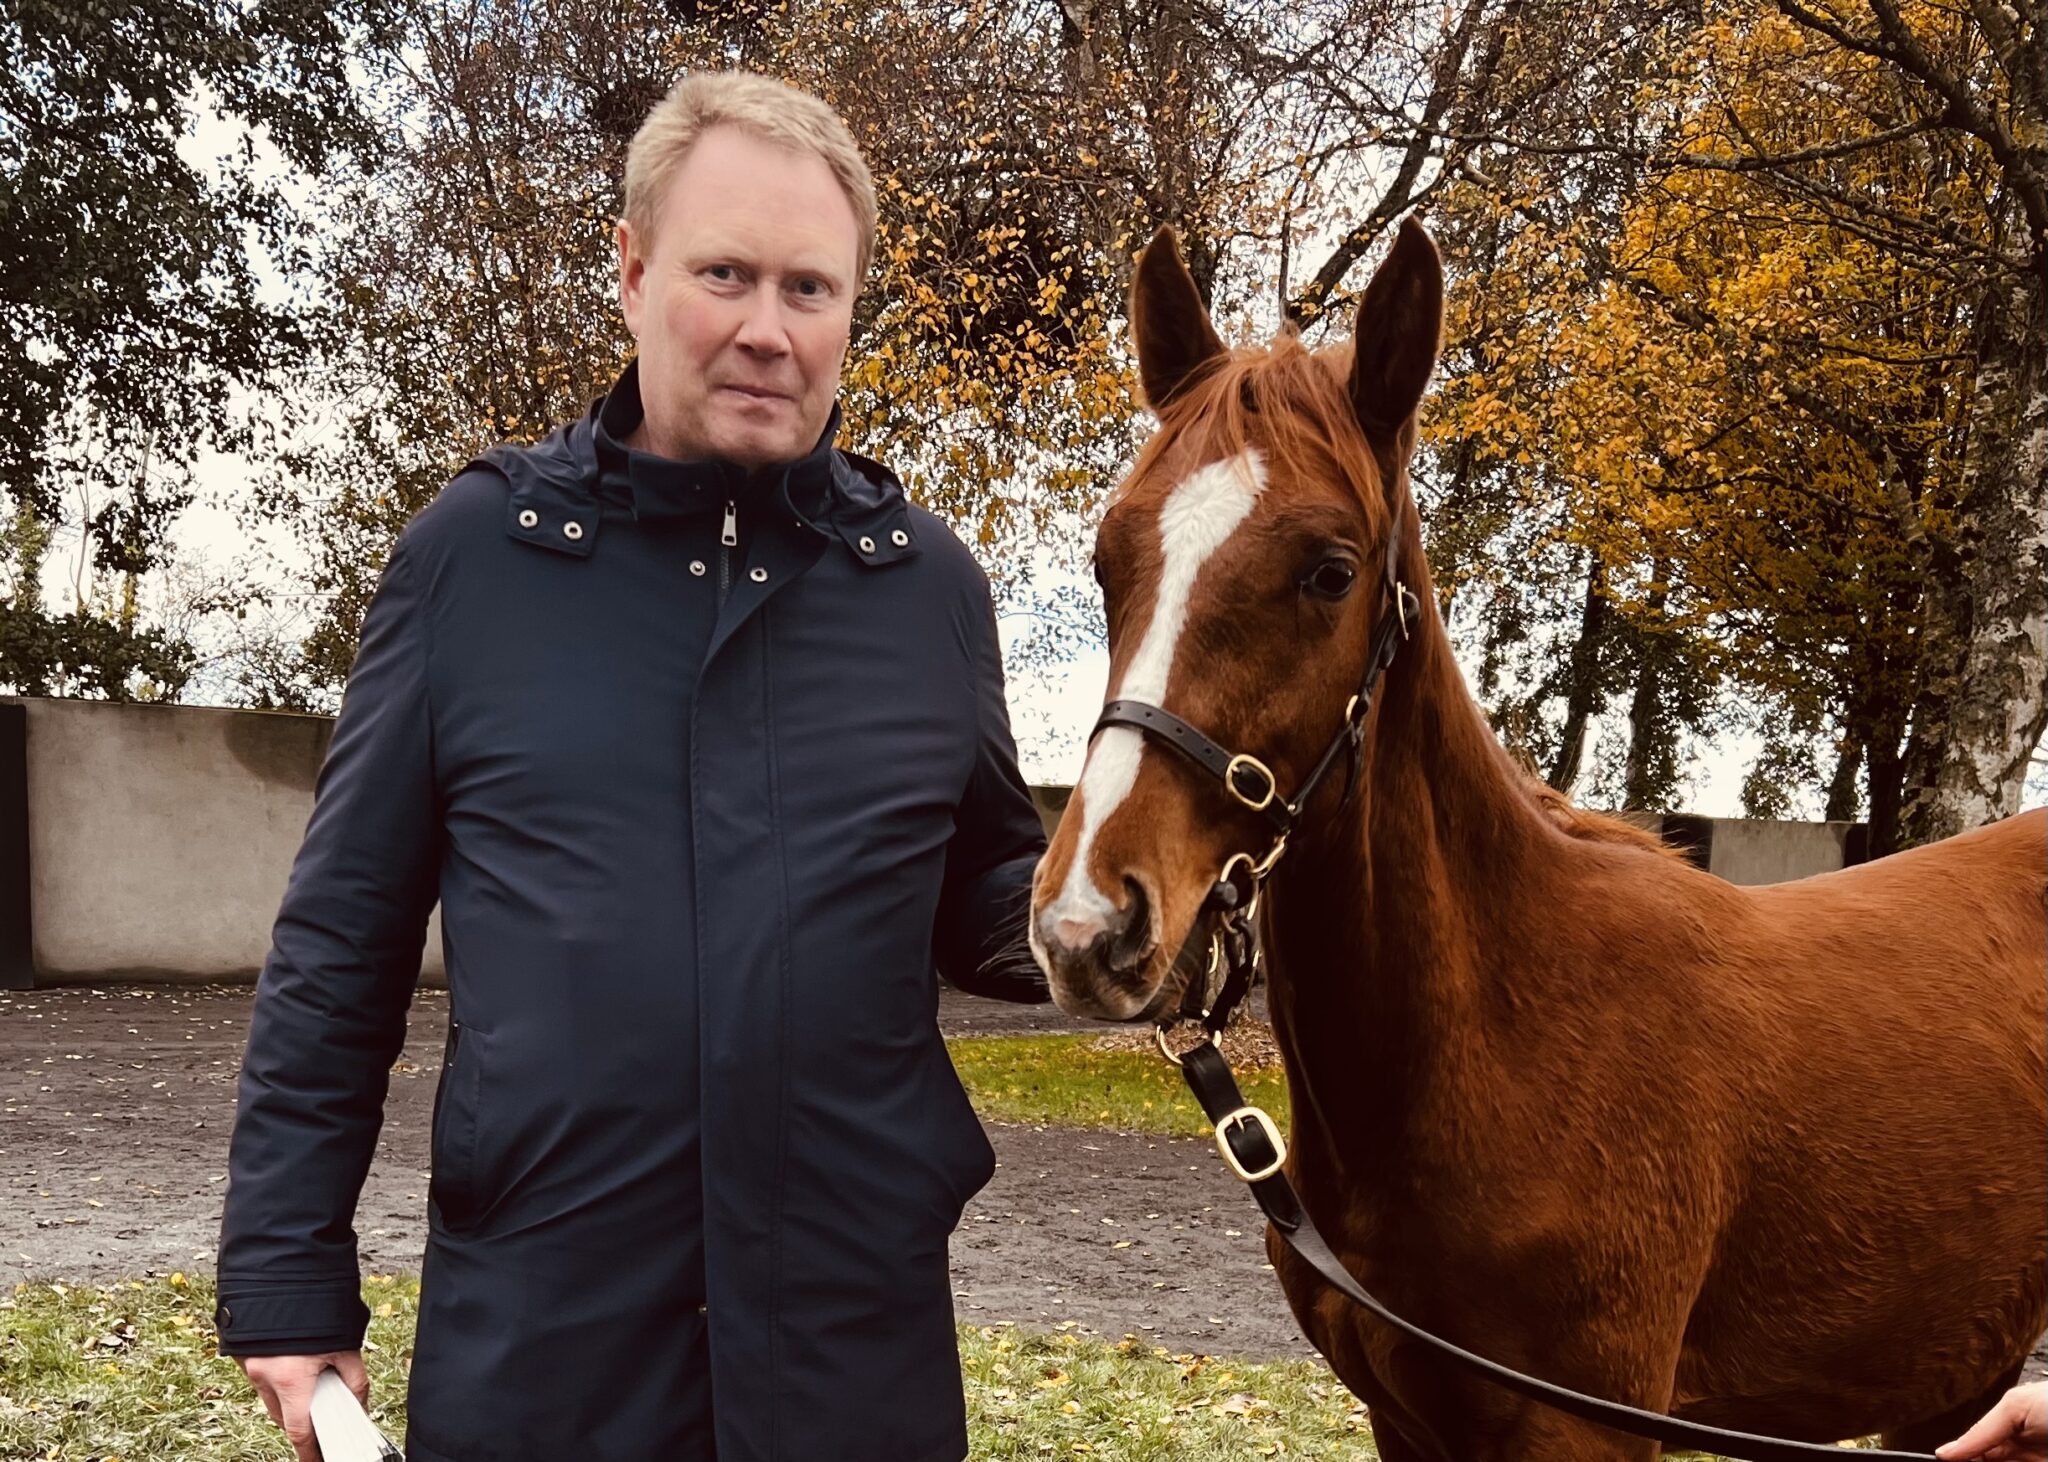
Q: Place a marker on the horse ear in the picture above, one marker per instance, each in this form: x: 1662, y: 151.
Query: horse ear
x: 1169, y: 322
x: 1400, y: 327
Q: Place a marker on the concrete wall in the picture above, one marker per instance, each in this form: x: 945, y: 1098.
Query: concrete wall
x: 158, y: 839
x: 1752, y: 850
x: 1746, y: 850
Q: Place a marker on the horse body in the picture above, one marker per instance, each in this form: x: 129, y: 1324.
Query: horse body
x: 1737, y: 1153
x: 1774, y: 1159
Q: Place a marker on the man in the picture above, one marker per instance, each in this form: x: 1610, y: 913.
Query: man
x: 695, y: 727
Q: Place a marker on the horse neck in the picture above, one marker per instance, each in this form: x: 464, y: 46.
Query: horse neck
x: 1388, y: 914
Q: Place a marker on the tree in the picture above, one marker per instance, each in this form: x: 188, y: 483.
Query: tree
x: 1973, y: 82
x: 1019, y: 151
x: 135, y: 303
x: 1759, y: 378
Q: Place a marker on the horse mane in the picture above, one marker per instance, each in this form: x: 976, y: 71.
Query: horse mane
x: 1290, y: 404
x: 1592, y: 827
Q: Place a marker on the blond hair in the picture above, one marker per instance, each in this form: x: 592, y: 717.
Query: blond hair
x: 760, y: 106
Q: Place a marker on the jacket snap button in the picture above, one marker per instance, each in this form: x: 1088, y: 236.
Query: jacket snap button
x: 572, y: 530
x: 697, y: 567
x: 867, y: 545
x: 528, y: 517
x: 899, y: 538
x: 759, y: 576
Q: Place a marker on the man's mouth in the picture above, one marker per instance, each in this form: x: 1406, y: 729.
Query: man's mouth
x: 756, y: 393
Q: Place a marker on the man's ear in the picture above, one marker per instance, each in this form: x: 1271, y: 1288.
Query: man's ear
x: 1169, y: 323
x: 632, y: 276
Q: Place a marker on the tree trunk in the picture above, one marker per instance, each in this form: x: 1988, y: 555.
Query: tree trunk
x: 1842, y: 788
x: 1642, y: 781
x: 1874, y: 731
x: 1886, y: 794
x: 1077, y: 40
x: 1651, y: 774
x: 1582, y: 682
x: 1983, y: 705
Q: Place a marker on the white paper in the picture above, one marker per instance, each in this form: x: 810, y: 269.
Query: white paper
x: 344, y: 1430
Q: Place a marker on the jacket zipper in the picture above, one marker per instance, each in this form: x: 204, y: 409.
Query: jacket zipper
x: 727, y: 539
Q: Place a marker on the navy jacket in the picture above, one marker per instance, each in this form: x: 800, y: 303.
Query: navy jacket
x: 703, y: 817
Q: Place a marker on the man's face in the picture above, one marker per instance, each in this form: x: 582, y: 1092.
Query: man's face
x: 742, y: 302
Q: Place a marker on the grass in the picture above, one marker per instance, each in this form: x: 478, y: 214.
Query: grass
x: 128, y: 1374
x: 1032, y: 1396
x: 1069, y: 1081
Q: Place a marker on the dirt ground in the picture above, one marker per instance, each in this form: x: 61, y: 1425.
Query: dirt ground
x: 115, y: 1107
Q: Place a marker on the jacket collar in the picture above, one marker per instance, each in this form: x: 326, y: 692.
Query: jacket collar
x: 562, y: 486
x: 657, y: 488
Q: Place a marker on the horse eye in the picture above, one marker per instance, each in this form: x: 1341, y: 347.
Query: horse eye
x: 1332, y: 579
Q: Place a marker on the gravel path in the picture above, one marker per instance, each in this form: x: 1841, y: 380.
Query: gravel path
x: 115, y: 1107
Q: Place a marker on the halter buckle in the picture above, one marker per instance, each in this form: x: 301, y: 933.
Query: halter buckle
x: 1406, y: 605
x: 1174, y: 1057
x: 1244, y: 762
x: 1250, y: 1125
x: 1247, y: 892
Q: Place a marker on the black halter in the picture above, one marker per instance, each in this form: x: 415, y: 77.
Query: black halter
x: 1250, y: 780
x: 1249, y: 1140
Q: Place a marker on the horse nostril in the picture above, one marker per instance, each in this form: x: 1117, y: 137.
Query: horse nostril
x: 1130, y: 940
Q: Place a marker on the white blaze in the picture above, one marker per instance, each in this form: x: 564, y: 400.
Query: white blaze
x: 1197, y: 519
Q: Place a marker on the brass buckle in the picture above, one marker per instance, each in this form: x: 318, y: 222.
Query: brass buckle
x: 1251, y: 903
x: 1230, y: 781
x: 1174, y: 1057
x: 1258, y: 872
x: 1403, y: 597
x: 1259, y: 1119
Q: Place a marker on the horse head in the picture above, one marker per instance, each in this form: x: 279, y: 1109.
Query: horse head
x: 1242, y: 563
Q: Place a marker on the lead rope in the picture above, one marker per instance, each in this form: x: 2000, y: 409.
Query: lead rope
x: 1254, y: 1150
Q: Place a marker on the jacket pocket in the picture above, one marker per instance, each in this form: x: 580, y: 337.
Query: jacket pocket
x: 451, y: 1183
x: 969, y: 1159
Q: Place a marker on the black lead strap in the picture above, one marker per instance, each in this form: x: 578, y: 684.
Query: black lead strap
x: 1251, y: 1147
x: 1250, y: 1141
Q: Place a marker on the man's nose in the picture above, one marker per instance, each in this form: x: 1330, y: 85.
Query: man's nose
x: 763, y: 330
x: 1119, y: 938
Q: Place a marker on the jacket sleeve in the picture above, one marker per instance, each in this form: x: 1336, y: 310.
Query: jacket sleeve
x: 329, y: 1015
x: 998, y: 838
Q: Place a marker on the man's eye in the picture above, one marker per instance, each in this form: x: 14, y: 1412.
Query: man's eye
x: 722, y: 272
x: 809, y: 288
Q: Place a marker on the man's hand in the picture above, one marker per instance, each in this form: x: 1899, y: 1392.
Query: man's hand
x: 285, y: 1382
x: 2015, y: 1430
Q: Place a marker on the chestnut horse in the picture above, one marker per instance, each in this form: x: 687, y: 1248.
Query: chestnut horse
x: 1773, y: 1159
